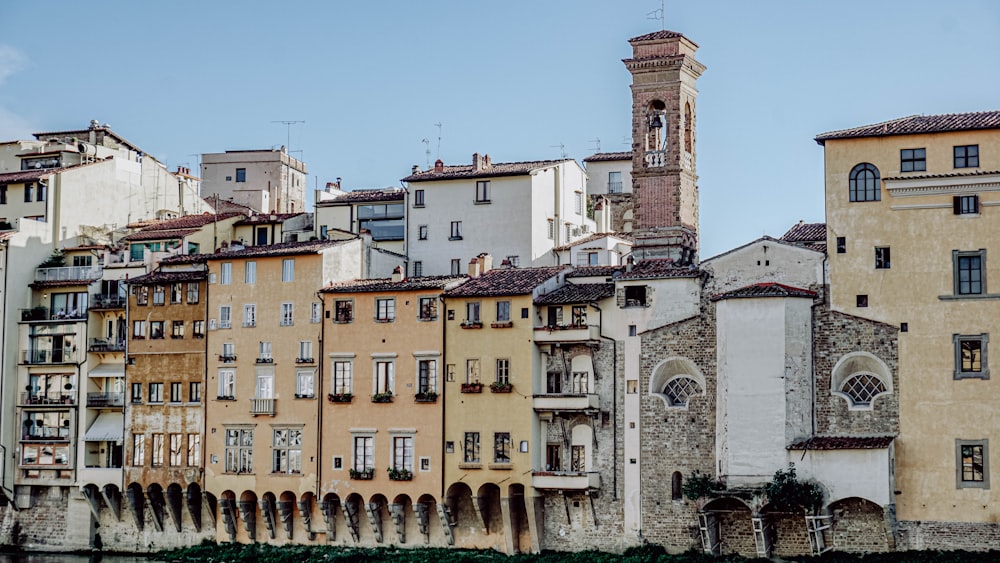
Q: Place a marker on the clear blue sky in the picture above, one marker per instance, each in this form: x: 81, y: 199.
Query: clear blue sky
x: 514, y: 79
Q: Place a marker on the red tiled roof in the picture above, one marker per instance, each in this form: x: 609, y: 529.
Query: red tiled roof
x: 187, y: 221
x: 386, y: 284
x: 655, y: 268
x: 158, y: 234
x: 805, y: 232
x: 62, y: 283
x: 279, y: 249
x: 24, y: 176
x: 505, y: 281
x: 224, y: 205
x: 493, y: 170
x: 662, y: 34
x: 168, y: 277
x: 577, y: 293
x: 609, y: 156
x: 969, y: 173
x: 266, y: 218
x: 590, y: 238
x: 843, y: 443
x: 919, y: 124
x: 590, y: 271
x: 769, y: 289
x: 85, y: 133
x: 365, y: 196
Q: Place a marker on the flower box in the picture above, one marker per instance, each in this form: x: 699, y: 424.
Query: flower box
x: 400, y: 474
x: 340, y: 397
x: 472, y: 388
x: 382, y: 398
x: 497, y: 387
x: 468, y: 324
x: 426, y: 397
x: 366, y: 475
x: 507, y: 324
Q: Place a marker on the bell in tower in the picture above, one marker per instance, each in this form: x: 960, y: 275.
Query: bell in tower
x: 664, y: 173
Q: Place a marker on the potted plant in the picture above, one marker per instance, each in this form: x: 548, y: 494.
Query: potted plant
x: 340, y: 397
x: 364, y: 475
x: 426, y: 397
x: 401, y: 474
x: 382, y: 398
x: 476, y: 387
x: 472, y: 324
x: 498, y: 387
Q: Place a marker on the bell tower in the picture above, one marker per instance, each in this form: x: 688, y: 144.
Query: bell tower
x: 664, y: 157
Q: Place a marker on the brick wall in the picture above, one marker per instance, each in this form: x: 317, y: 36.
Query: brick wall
x: 859, y: 527
x: 972, y: 536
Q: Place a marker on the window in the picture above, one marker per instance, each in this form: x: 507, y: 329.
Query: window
x: 137, y: 393
x: 553, y: 457
x: 614, y: 182
x: 316, y: 312
x: 250, y: 272
x: 226, y: 274
x: 385, y: 379
x: 27, y: 191
x: 228, y: 352
x: 343, y: 311
x: 176, y: 392
x: 176, y: 329
x: 288, y: 270
x: 225, y: 316
x: 155, y: 392
x: 176, y: 450
x: 579, y: 315
x: 287, y: 310
x: 501, y: 447
x: 427, y: 376
x: 264, y: 352
x: 192, y: 293
x: 471, y: 450
x: 156, y: 329
x: 383, y: 221
x: 428, y: 309
x: 385, y: 310
x: 176, y: 293
x: 3, y: 194
x: 158, y: 295
x: 341, y: 377
x: 970, y: 274
x: 970, y: 356
x: 472, y: 370
x: 194, y: 450
x: 194, y: 392
x: 861, y: 300
x: 965, y: 204
x: 305, y: 351
x: 138, y: 450
x: 882, y: 258
x: 503, y: 311
x: 305, y: 383
x: 862, y: 389
x: 578, y: 458
x: 578, y: 203
x: 456, y: 266
x: 912, y: 160
x: 418, y: 268
x: 503, y: 371
x: 422, y: 232
x: 142, y: 295
x: 227, y: 384
x: 472, y: 312
x: 241, y: 174
x: 456, y: 230
x: 402, y: 453
x: 841, y: 245
x: 593, y: 258
x: 239, y: 450
x: 138, y: 330
x: 418, y: 198
x: 287, y: 451
x: 364, y: 453
x: 157, y: 457
x: 483, y: 191
x: 679, y: 390
x: 967, y: 156
x: 198, y: 329
x: 972, y: 464
x: 635, y: 296
x: 550, y: 231
x: 249, y: 315
x: 864, y: 183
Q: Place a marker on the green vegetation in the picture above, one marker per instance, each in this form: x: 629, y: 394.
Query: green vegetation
x: 786, y: 492
x: 698, y: 484
x: 264, y: 553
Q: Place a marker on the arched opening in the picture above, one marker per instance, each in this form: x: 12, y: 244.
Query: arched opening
x: 520, y: 531
x: 354, y: 511
x: 329, y: 508
x: 229, y: 512
x: 463, y: 514
x: 656, y: 128
x: 286, y: 512
x: 426, y: 509
x: 859, y: 526
x: 732, y: 525
x: 378, y: 514
x: 269, y: 513
x: 860, y: 378
x: 157, y: 504
x: 688, y: 128
x: 676, y: 381
x: 864, y: 183
x: 582, y: 374
x: 404, y: 523
x: 175, y: 504
x: 136, y: 503
x: 194, y: 501
x: 675, y: 486
x: 247, y: 506
x: 581, y: 445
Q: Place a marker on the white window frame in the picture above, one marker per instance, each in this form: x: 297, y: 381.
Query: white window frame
x: 343, y: 370
x: 250, y: 272
x: 287, y: 314
x: 249, y: 315
x: 305, y: 383
x: 363, y: 452
x: 316, y: 312
x: 226, y: 273
x: 384, y: 376
x: 286, y: 450
x: 385, y: 309
x: 225, y: 316
x: 227, y: 383
x: 402, y: 452
x: 288, y: 270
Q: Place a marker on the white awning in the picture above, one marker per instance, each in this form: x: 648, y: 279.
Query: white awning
x: 108, y: 370
x: 109, y: 427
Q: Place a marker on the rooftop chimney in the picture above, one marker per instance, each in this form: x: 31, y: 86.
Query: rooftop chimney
x: 477, y: 161
x: 439, y: 165
x: 397, y: 274
x: 629, y: 263
x: 415, y: 169
x: 505, y: 263
x: 474, y: 268
x: 485, y: 261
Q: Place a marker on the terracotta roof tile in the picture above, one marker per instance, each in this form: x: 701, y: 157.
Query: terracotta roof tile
x: 655, y: 268
x: 365, y: 196
x: 805, y: 232
x: 590, y: 238
x: 188, y: 221
x: 843, y: 443
x: 592, y: 271
x: 609, y: 156
x: 224, y: 205
x: 62, y: 283
x: 386, y: 284
x: 158, y: 234
x: 969, y: 173
x: 919, y: 124
x: 769, y: 289
x: 574, y: 293
x: 505, y: 281
x: 493, y: 170
x: 168, y: 277
x: 24, y: 176
x: 279, y: 249
x: 267, y: 218
x: 662, y: 34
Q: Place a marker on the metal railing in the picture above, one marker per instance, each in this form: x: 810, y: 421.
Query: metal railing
x: 68, y: 273
x: 48, y: 357
x: 262, y: 406
x: 105, y: 399
x: 106, y: 345
x: 46, y: 314
x: 49, y: 398
x: 107, y: 301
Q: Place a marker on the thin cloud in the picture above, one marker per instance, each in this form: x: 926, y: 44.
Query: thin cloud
x: 11, y: 62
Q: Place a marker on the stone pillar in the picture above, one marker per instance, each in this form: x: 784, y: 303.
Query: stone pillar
x: 535, y: 508
x: 508, y: 526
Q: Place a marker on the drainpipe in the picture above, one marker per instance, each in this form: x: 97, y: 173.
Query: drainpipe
x: 319, y: 396
x: 614, y: 402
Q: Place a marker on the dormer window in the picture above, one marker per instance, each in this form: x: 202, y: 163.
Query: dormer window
x: 635, y: 296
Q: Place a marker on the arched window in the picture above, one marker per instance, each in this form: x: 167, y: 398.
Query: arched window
x: 865, y: 183
x: 675, y: 486
x: 675, y: 380
x: 679, y: 389
x: 862, y: 388
x: 688, y: 142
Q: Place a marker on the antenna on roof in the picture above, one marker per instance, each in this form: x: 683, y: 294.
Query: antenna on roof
x: 627, y: 141
x: 427, y: 150
x: 438, y: 125
x: 660, y: 14
x: 561, y: 147
x: 596, y: 142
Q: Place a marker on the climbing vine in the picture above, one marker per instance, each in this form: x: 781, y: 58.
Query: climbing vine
x: 786, y: 492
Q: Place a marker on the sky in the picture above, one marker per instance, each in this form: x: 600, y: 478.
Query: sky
x: 368, y: 82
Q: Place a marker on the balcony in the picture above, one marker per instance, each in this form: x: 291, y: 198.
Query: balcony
x: 553, y: 334
x: 105, y: 399
x: 46, y: 314
x: 614, y: 187
x: 566, y: 480
x: 565, y: 402
x: 41, y: 357
x: 102, y: 301
x: 260, y: 406
x: 50, y: 398
x: 68, y: 273
x: 106, y: 345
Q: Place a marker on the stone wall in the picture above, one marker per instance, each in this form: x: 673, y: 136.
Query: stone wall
x: 859, y: 527
x: 972, y: 536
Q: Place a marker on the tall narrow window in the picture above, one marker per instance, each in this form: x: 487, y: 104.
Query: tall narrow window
x: 226, y: 273
x: 241, y: 174
x: 969, y: 272
x: 456, y: 230
x: 882, y: 258
x: 250, y: 272
x: 427, y: 376
x: 385, y: 379
x: 287, y: 317
x: 503, y: 371
x: 614, y: 182
x: 288, y: 270
x: 864, y: 183
x: 250, y: 315
x: 341, y: 378
x: 157, y: 457
x: 483, y: 191
x: 402, y: 453
x: 138, y: 450
x: 364, y: 453
x: 193, y: 450
x: 418, y: 198
x: 501, y: 447
x: 471, y: 450
x: 176, y: 450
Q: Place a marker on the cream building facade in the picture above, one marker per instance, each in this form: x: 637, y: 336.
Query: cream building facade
x: 269, y: 181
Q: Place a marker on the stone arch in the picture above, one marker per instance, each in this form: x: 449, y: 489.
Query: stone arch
x: 853, y: 366
x: 286, y: 512
x: 354, y: 513
x: 488, y: 499
x: 787, y: 529
x: 175, y: 504
x: 676, y: 486
x: 582, y: 374
x: 520, y: 532
x: 229, y: 512
x: 680, y: 372
x: 401, y: 512
x: 734, y: 527
x: 328, y: 508
x: 136, y: 503
x: 247, y: 506
x: 268, y: 504
x: 859, y: 526
x: 459, y: 501
x: 157, y: 502
x: 426, y: 509
x: 581, y: 435
x: 378, y: 514
x: 193, y: 496
x: 656, y: 126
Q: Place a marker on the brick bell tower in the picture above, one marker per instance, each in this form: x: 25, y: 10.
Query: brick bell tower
x: 664, y: 171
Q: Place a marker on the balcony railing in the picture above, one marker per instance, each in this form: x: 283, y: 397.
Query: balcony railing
x: 105, y: 399
x: 46, y: 314
x: 107, y: 301
x: 49, y: 357
x: 566, y: 480
x: 68, y: 273
x: 50, y: 398
x: 262, y: 406
x: 567, y: 333
x: 106, y: 345
x: 565, y: 402
x: 614, y: 187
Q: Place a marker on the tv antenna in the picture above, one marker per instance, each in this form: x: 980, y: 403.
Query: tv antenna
x: 561, y: 147
x: 438, y: 125
x: 427, y: 150
x: 288, y: 132
x: 659, y: 14
x: 597, y: 143
x: 627, y: 141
